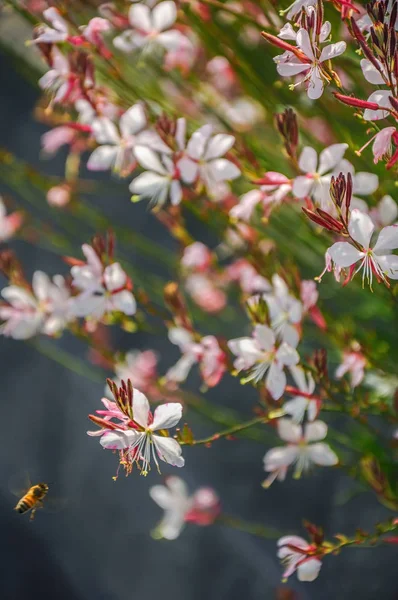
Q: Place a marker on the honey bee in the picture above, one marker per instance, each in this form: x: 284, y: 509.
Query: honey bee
x: 32, y: 500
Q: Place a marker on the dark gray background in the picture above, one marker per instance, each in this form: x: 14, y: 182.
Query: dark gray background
x: 99, y: 547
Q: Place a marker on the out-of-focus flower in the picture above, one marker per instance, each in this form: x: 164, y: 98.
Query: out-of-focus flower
x: 118, y: 149
x: 139, y: 367
x: 295, y: 554
x: 9, y: 224
x: 150, y: 28
x: 141, y: 440
x: 197, y: 257
x: 59, y: 195
x: 93, y: 32
x: 303, y: 399
x: 60, y: 81
x: 160, y: 181
x: 316, y: 181
x: 57, y: 33
x: 203, y: 158
x: 274, y: 189
x: 385, y: 213
x: 309, y: 297
x: 54, y: 139
x: 246, y: 275
x: 264, y: 359
x: 46, y: 309
x: 378, y: 261
x: 102, y: 290
x: 181, y: 56
x: 353, y: 363
x: 303, y: 449
x: 205, y: 292
x: 285, y: 312
x: 179, y: 507
x: 207, y: 353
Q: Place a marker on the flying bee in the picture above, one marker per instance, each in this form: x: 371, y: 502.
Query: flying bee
x: 32, y: 499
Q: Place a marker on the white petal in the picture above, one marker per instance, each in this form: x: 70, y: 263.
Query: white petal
x: 330, y: 157
x: 41, y: 285
x: 102, y: 158
x: 148, y: 159
x: 287, y: 32
x: 162, y: 496
x: 169, y: 450
x: 296, y: 408
x: 265, y: 337
x: 315, y: 431
x: 171, y: 525
x: 133, y: 120
x: 219, y: 145
x: 387, y: 240
x: 140, y: 17
x: 361, y: 227
x: 166, y: 416
x: 381, y: 97
x: 365, y: 183
x: 147, y: 183
x: 286, y: 355
x: 181, y: 127
x: 370, y: 72
x: 293, y: 540
x: 325, y: 31
x: 388, y: 210
x: 332, y: 50
x: 140, y: 408
x: 321, y: 454
x: 246, y: 348
x: 289, y: 431
x: 180, y: 336
x: 308, y: 160
x: 105, y: 132
x: 304, y: 43
x: 114, y: 277
x: 180, y: 371
x: 54, y: 17
x: 315, y: 84
x: 309, y: 570
x: 175, y: 193
x: 115, y: 440
x: 344, y: 254
x: 275, y: 381
x: 290, y: 335
x: 302, y: 186
x: 164, y: 15
x: 171, y: 40
x: 389, y: 265
x: 197, y: 143
x: 291, y: 68
x: 280, y: 457
x: 223, y: 170
x: 188, y: 169
x: 125, y: 302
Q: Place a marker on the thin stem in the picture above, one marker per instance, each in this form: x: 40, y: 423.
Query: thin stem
x: 230, y: 431
x: 252, y: 528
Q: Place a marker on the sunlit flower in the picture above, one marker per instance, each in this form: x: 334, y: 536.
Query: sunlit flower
x: 303, y: 449
x: 160, y: 181
x: 295, y: 554
x: 285, y: 312
x: 264, y: 359
x: 354, y: 364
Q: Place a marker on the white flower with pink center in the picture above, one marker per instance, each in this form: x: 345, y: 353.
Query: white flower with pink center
x: 144, y: 443
x: 304, y: 448
x: 295, y: 554
x: 377, y: 260
x: 273, y: 190
x: 59, y: 81
x: 264, y: 359
x: 354, y: 364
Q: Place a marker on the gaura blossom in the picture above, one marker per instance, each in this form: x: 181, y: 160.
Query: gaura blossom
x: 161, y: 180
x: 118, y: 146
x: 303, y: 401
x: 139, y: 367
x: 293, y: 10
x: 385, y: 213
x: 145, y: 436
x: 264, y: 359
x: 179, y: 507
x: 150, y: 28
x: 244, y: 273
x: 55, y: 34
x: 59, y: 195
x: 285, y: 312
x: 59, y: 81
x: 102, y: 289
x: 207, y: 353
x: 309, y: 297
x: 296, y: 555
x: 203, y: 158
x: 45, y: 309
x: 316, y: 181
x: 377, y: 261
x: 9, y: 224
x: 353, y: 363
x: 380, y: 97
x: 204, y: 292
x: 303, y: 449
x: 273, y: 190
x: 196, y: 257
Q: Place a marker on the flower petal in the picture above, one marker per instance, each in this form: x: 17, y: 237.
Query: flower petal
x: 286, y: 355
x: 140, y: 17
x: 219, y: 145
x: 148, y: 159
x: 133, y: 120
x: 315, y: 431
x: 370, y: 72
x: 302, y: 186
x: 332, y: 50
x: 163, y: 15
x: 330, y: 157
x: 387, y: 240
x: 166, y: 416
x: 169, y: 450
x: 140, y: 408
x: 275, y: 381
x: 222, y: 170
x: 289, y: 431
x: 315, y: 84
x: 308, y: 160
x: 389, y: 265
x: 102, y: 158
x: 125, y: 302
x: 265, y: 337
x: 197, y: 143
x: 114, y: 277
x: 382, y: 98
x: 280, y: 457
x: 304, y: 43
x: 321, y: 454
x: 309, y: 570
x: 344, y: 254
x: 361, y: 227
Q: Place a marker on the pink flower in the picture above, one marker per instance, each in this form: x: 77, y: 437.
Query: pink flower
x: 309, y: 297
x: 353, y: 363
x: 60, y: 81
x: 382, y: 143
x: 246, y: 275
x: 196, y: 256
x: 139, y: 367
x: 271, y: 193
x: 205, y: 294
x: 52, y: 140
x: 295, y: 553
x: 59, y: 195
x: 94, y: 31
x: 55, y: 34
x: 181, y: 57
x: 9, y: 224
x: 303, y: 449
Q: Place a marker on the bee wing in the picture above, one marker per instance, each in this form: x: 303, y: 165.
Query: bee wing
x: 54, y: 504
x: 19, y: 484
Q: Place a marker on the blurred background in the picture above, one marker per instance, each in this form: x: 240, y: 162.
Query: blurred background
x: 99, y: 547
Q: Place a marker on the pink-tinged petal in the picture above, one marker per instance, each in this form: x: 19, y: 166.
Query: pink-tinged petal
x: 163, y: 15
x: 286, y: 355
x: 389, y: 265
x: 114, y: 277
x: 308, y: 160
x: 287, y: 32
x: 361, y: 228
x: 115, y: 440
x: 133, y: 120
x: 41, y: 285
x: 309, y: 570
x: 175, y: 193
x: 382, y: 98
x: 365, y: 183
x: 321, y: 454
x: 330, y: 157
x: 280, y: 457
x: 222, y: 169
x: 387, y: 240
x: 387, y: 210
x: 172, y: 523
x: 304, y: 43
x: 125, y: 302
x: 382, y: 143
x: 333, y: 50
x: 370, y: 72
x: 140, y: 17
x: 147, y: 184
x: 264, y: 336
x: 102, y: 158
x: 105, y: 131
x: 315, y: 431
x: 171, y: 40
x: 291, y: 68
x: 325, y: 31
x: 315, y: 84
x: 166, y: 416
x: 53, y: 16
x: 292, y: 540
x: 197, y: 143
x: 140, y: 408
x: 219, y: 145
x: 188, y: 169
x: 302, y: 186
x: 168, y: 450
x: 344, y: 254
x: 275, y: 381
x: 289, y: 431
x: 148, y: 159
x: 246, y: 206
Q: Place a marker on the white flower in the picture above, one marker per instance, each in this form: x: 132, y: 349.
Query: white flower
x: 303, y: 448
x: 303, y: 399
x: 285, y: 312
x: 378, y: 261
x: 269, y: 195
x: 296, y: 7
x: 118, y: 150
x: 57, y: 80
x: 145, y: 443
x: 160, y: 181
x: 380, y: 97
x: 264, y: 359
x: 203, y: 158
x: 150, y: 27
x: 353, y: 363
x: 385, y: 213
x: 57, y: 33
x: 293, y: 550
x: 316, y: 181
x: 174, y: 499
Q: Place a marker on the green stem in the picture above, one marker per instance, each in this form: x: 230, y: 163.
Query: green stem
x: 252, y: 528
x: 230, y: 431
